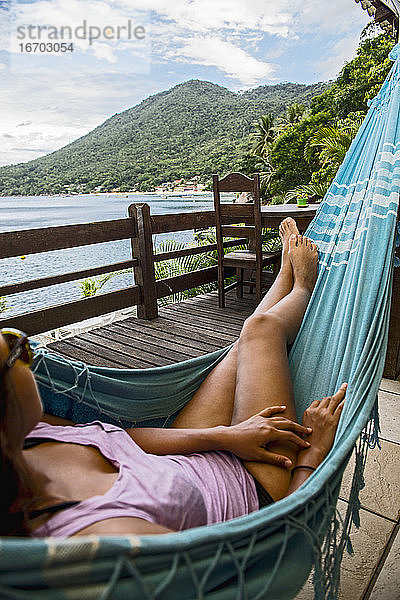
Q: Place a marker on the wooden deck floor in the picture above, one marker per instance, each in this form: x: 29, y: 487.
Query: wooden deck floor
x: 184, y: 330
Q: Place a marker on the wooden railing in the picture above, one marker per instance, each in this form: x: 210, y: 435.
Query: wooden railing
x: 144, y: 292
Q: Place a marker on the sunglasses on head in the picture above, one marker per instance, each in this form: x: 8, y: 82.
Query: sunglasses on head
x: 19, y: 348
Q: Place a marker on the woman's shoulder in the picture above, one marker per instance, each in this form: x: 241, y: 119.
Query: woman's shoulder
x: 124, y: 526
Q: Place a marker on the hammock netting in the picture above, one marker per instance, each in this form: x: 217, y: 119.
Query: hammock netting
x: 269, y: 553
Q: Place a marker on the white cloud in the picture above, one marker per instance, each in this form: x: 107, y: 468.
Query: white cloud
x: 336, y: 16
x: 97, y: 29
x: 50, y: 110
x: 235, y: 39
x: 337, y: 55
x: 230, y: 59
x: 183, y: 26
x: 206, y: 15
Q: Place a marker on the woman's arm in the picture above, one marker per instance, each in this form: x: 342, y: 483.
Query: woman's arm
x: 154, y: 440
x: 248, y: 440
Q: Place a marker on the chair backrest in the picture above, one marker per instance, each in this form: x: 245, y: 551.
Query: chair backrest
x: 228, y: 213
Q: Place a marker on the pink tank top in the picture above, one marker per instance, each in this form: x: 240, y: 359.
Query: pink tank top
x: 175, y: 491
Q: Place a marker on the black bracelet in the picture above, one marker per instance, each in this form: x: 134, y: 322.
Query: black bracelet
x: 303, y: 467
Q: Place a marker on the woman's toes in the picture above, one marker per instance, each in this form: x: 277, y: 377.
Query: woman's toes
x: 286, y: 227
x: 339, y: 397
x: 292, y: 241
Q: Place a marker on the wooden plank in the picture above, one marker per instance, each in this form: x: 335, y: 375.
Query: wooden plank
x: 73, y: 312
x: 238, y: 232
x: 146, y: 350
x: 220, y: 241
x: 228, y: 317
x: 207, y: 323
x: 236, y: 182
x: 179, y: 283
x: 34, y: 284
x: 109, y: 355
x: 273, y: 221
x: 220, y: 315
x: 167, y: 327
x: 150, y: 340
x: 211, y: 308
x: 202, y: 319
x: 227, y: 338
x: 45, y: 239
x: 237, y: 305
x: 288, y: 210
x: 182, y: 221
x: 392, y: 365
x: 184, y: 343
x: 67, y: 349
x: 247, y: 304
x: 135, y: 343
x: 244, y: 211
x: 199, y: 302
x: 108, y: 351
x: 142, y: 248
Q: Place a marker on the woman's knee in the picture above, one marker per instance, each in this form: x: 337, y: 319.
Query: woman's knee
x: 260, y: 325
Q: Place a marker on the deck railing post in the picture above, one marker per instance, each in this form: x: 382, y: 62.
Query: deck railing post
x: 392, y: 364
x: 142, y: 248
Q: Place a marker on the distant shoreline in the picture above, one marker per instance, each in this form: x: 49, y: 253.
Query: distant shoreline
x: 170, y: 195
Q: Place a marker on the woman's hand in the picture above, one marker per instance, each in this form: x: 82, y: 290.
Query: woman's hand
x: 248, y: 440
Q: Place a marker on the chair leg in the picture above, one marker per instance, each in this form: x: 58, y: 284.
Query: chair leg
x: 221, y: 290
x: 239, y: 279
x: 258, y: 285
x: 249, y: 276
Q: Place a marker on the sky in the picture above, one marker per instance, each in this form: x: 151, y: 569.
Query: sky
x: 126, y: 50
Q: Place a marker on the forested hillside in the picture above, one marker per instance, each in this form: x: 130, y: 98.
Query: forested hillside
x: 195, y: 128
x: 300, y: 153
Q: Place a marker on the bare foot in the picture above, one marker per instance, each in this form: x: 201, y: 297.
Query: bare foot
x: 323, y: 417
x: 303, y: 254
x: 287, y: 228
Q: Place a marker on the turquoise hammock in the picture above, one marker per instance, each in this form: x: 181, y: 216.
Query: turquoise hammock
x: 269, y: 553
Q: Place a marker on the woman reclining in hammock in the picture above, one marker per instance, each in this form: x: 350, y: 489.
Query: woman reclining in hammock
x: 234, y: 448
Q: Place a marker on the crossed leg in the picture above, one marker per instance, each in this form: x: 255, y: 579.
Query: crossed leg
x: 262, y: 376
x: 255, y: 373
x: 213, y: 402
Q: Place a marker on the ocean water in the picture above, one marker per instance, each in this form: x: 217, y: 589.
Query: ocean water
x: 31, y: 212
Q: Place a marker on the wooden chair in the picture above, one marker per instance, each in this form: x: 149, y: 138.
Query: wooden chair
x: 226, y: 215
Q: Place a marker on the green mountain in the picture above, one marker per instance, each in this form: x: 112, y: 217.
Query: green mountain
x: 195, y: 128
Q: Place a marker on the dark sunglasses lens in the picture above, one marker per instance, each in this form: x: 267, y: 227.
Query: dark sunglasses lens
x: 13, y: 339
